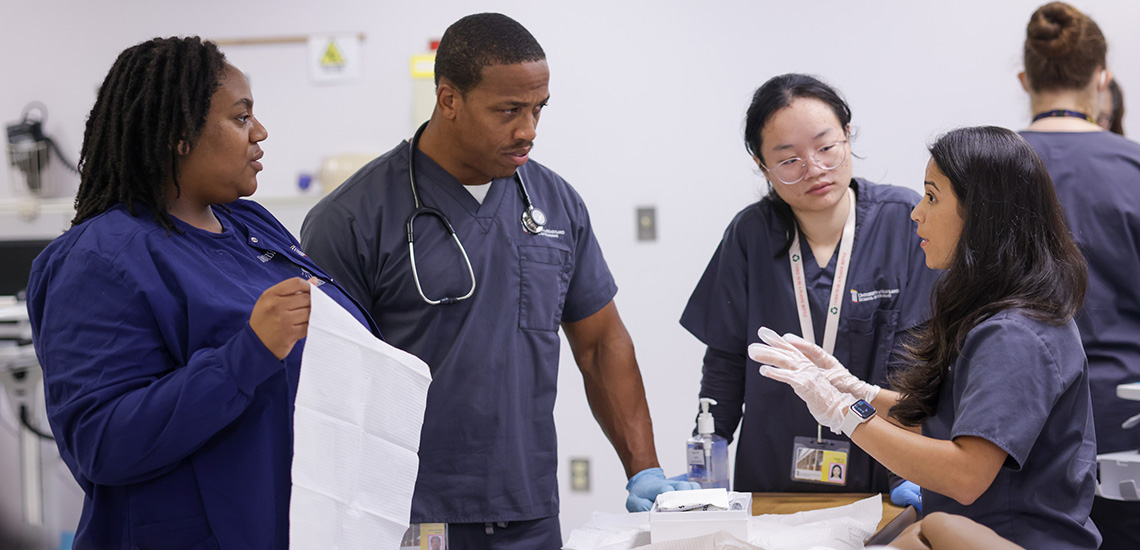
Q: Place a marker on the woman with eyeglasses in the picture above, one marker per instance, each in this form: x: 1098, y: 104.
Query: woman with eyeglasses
x: 824, y: 255
x: 1097, y: 177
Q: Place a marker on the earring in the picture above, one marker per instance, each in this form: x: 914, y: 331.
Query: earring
x: 183, y: 148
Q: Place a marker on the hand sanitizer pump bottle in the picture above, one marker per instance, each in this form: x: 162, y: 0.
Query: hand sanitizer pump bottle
x: 708, y: 452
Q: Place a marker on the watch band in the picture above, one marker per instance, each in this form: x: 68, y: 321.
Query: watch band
x: 858, y: 413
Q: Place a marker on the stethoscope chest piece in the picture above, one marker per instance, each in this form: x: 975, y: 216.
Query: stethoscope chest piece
x: 533, y: 220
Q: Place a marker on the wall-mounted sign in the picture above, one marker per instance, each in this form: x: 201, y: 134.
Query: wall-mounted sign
x: 334, y: 58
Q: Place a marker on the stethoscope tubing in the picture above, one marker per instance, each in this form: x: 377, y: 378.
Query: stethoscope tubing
x: 533, y: 222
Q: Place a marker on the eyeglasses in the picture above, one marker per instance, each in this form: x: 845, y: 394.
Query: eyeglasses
x: 829, y: 157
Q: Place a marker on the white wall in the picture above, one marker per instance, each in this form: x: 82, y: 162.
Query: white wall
x: 646, y: 109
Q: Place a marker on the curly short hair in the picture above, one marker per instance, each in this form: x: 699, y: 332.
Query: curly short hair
x: 479, y: 40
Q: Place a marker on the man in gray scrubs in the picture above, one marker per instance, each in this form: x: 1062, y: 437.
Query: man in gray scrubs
x: 489, y: 329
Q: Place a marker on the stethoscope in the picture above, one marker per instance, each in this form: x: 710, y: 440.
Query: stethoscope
x: 533, y: 221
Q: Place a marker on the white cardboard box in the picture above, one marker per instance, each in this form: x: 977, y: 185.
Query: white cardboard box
x: 665, y: 526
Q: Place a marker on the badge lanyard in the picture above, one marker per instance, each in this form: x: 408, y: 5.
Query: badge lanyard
x: 835, y: 302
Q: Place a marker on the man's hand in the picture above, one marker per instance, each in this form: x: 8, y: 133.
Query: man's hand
x: 647, y: 484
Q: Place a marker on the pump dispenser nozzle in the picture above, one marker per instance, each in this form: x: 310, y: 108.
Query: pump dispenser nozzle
x: 705, y: 418
x: 707, y: 452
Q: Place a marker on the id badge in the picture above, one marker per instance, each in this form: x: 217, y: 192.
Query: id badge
x: 820, y: 461
x: 425, y: 536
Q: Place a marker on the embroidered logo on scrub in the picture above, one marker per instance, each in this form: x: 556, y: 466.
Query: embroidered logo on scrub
x: 860, y: 297
x: 553, y: 233
x: 306, y: 276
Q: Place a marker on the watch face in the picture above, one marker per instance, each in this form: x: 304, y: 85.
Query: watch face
x: 863, y: 409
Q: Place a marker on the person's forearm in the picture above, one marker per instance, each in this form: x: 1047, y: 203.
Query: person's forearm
x: 723, y: 379
x: 885, y: 400
x: 883, y: 403
x: 950, y: 532
x: 617, y: 398
x: 961, y: 469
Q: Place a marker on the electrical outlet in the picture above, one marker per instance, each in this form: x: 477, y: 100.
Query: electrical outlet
x: 580, y: 474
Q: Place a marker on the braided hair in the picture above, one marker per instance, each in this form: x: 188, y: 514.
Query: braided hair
x: 153, y: 101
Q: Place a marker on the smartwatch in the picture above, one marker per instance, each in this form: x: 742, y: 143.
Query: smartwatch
x: 860, y: 412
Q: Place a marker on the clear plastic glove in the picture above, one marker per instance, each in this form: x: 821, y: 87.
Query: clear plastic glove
x: 907, y: 493
x: 647, y: 484
x: 786, y: 364
x: 836, y: 373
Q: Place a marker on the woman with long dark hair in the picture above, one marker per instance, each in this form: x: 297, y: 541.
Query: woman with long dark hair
x: 992, y: 417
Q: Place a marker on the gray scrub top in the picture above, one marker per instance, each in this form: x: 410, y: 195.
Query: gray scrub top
x: 746, y: 286
x: 1023, y: 385
x: 488, y: 449
x: 1097, y: 178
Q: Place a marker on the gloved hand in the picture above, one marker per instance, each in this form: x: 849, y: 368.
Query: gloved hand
x: 647, y: 484
x: 907, y: 493
x: 786, y: 364
x: 836, y: 373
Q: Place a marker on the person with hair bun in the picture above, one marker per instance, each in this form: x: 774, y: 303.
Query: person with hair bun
x: 1097, y: 177
x: 992, y: 414
x: 169, y: 319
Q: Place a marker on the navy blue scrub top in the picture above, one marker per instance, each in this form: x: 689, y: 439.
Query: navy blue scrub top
x: 746, y: 286
x: 1097, y: 178
x: 169, y: 411
x: 488, y: 448
x: 1023, y: 385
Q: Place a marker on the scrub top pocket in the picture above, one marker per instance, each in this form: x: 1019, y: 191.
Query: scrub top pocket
x: 869, y: 343
x: 545, y: 273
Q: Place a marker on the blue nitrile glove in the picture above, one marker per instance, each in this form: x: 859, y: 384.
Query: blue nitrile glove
x: 647, y: 484
x: 907, y: 493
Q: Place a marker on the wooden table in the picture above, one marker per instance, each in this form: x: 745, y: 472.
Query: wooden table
x: 790, y: 503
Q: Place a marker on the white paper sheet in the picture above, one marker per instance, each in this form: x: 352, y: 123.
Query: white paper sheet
x: 359, y: 409
x: 839, y: 528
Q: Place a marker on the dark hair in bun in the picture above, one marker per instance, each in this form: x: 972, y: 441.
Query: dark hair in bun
x: 1063, y: 48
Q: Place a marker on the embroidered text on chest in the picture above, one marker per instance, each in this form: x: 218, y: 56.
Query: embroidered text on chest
x: 860, y: 297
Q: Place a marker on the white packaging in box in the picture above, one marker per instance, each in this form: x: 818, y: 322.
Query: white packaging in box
x: 673, y: 525
x: 1119, y: 475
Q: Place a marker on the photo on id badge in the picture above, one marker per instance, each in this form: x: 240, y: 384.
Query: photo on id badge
x: 820, y: 461
x: 425, y: 536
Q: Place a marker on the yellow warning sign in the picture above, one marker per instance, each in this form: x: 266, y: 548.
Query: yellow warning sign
x: 332, y: 56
